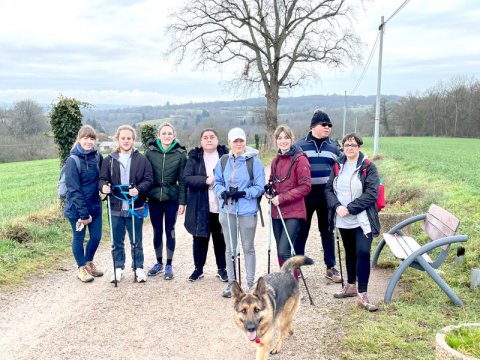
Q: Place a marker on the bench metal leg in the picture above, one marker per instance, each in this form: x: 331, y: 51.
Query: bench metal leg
x: 378, y: 250
x: 430, y: 270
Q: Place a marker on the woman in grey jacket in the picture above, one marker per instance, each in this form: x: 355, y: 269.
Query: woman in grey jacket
x: 351, y: 195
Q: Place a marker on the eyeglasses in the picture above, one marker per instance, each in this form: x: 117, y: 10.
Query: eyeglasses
x: 326, y: 124
x: 350, y: 146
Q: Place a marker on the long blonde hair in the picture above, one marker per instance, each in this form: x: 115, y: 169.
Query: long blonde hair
x: 117, y: 134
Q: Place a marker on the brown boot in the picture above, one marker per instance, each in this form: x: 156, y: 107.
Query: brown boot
x: 362, y: 301
x: 92, y: 269
x: 83, y: 274
x: 349, y: 290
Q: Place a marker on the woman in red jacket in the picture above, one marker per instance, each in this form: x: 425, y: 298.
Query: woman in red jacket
x: 290, y: 182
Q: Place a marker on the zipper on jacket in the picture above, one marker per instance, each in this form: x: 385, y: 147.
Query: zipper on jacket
x: 163, y: 171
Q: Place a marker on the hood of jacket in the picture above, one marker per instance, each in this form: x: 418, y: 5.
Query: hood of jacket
x: 197, y: 152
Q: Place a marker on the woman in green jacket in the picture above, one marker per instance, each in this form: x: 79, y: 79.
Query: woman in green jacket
x: 168, y: 193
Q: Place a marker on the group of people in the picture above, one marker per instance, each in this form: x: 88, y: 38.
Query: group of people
x: 219, y: 191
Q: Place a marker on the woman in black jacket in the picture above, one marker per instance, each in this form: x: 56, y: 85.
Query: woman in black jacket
x: 126, y: 174
x: 201, y: 217
x: 351, y: 194
x: 167, y: 196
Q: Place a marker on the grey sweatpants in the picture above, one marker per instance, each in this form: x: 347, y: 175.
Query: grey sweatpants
x: 247, y: 226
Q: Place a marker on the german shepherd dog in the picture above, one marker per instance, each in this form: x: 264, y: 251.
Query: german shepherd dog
x: 270, y: 306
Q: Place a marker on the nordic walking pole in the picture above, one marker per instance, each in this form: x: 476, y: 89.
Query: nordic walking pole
x: 133, y: 239
x: 269, y: 233
x: 230, y: 237
x: 339, y: 256
x: 109, y: 210
x: 238, y: 245
x: 293, y: 253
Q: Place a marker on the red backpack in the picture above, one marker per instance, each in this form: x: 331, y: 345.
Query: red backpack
x: 381, y: 202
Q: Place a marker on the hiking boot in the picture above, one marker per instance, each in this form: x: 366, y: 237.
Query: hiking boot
x: 196, y: 275
x: 141, y: 276
x: 168, y: 272
x: 83, y: 274
x: 227, y: 293
x: 349, y: 290
x: 362, y: 301
x: 222, y: 275
x: 92, y: 269
x: 117, y: 276
x: 333, y: 275
x: 156, y: 269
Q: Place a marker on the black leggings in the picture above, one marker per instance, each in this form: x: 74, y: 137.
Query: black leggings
x: 159, y: 210
x: 357, y: 247
x: 200, y: 245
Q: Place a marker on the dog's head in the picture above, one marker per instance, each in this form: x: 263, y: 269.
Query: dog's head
x: 252, y: 312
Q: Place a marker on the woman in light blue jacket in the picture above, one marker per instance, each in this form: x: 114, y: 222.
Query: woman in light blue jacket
x: 238, y: 190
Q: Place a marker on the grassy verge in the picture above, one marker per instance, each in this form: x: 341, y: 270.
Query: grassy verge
x: 418, y: 172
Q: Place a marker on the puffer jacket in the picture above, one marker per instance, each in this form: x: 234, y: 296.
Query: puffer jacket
x: 141, y: 177
x: 197, y: 218
x: 168, y: 169
x: 290, y: 188
x: 247, y: 206
x: 367, y: 201
x: 83, y: 199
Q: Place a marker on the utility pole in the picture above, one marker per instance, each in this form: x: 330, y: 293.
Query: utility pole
x: 344, y: 114
x: 379, y: 83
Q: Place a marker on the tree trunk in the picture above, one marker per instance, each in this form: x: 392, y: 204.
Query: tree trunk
x: 271, y: 114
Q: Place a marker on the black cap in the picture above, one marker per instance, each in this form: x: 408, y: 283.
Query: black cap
x: 319, y: 117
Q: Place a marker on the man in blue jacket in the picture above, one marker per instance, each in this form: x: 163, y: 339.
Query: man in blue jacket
x: 322, y: 153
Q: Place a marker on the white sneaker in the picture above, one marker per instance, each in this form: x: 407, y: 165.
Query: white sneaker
x: 141, y: 276
x: 117, y: 276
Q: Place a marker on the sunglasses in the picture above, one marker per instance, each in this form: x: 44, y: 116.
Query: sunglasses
x: 326, y: 124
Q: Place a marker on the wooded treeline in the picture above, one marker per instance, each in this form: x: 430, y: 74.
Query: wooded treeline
x: 449, y: 109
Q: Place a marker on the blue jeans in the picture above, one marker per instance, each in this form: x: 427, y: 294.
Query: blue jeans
x: 81, y: 254
x: 119, y: 224
x: 357, y: 256
x: 284, y: 250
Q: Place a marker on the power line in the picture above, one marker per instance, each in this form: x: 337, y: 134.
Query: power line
x: 367, y: 65
x: 397, y: 11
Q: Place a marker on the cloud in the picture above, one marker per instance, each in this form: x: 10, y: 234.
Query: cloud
x: 108, y: 51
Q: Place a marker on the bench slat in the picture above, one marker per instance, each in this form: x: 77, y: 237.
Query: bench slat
x: 403, y: 246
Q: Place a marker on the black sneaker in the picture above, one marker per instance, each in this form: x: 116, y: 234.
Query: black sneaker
x: 196, y: 275
x: 222, y: 275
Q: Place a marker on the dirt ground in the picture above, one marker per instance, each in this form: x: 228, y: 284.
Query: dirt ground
x: 58, y: 317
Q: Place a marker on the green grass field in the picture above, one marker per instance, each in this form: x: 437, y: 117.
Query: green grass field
x: 416, y: 172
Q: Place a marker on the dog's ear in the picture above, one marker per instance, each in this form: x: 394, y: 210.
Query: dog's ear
x: 237, y: 291
x: 261, y: 287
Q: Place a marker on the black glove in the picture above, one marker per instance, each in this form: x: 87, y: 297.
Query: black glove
x: 269, y: 190
x: 224, y: 196
x: 238, y: 194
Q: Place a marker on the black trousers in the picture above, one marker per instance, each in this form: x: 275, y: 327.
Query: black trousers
x: 200, y: 245
x: 357, y: 256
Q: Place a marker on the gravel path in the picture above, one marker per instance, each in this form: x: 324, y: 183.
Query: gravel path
x: 58, y: 317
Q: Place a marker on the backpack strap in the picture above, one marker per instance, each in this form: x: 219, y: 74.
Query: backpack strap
x: 249, y: 163
x: 77, y: 162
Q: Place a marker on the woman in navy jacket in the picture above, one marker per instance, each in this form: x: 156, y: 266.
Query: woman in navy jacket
x: 83, y: 205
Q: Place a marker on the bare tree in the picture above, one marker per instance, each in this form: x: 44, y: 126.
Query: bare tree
x: 282, y: 43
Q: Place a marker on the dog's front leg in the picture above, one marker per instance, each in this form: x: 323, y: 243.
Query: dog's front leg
x: 262, y: 351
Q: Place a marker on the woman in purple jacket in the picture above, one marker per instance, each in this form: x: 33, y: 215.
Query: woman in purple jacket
x: 289, y: 183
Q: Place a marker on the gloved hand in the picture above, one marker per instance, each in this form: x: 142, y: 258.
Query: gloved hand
x: 269, y: 190
x: 238, y: 194
x: 224, y: 196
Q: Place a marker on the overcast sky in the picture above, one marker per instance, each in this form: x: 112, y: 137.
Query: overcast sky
x: 110, y: 52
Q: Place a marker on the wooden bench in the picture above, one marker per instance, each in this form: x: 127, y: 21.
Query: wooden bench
x: 441, y: 227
